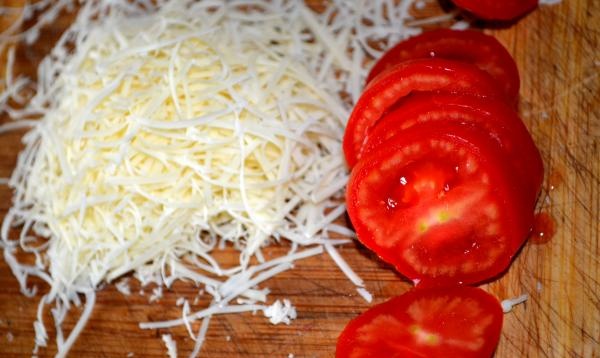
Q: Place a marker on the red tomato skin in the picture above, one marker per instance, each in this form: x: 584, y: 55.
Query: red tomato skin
x: 505, y: 10
x: 468, y: 46
x: 451, y: 322
x: 492, y: 115
x: 381, y: 229
x: 429, y: 75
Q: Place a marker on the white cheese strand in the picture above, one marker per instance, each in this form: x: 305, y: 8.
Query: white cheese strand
x: 171, y: 345
x: 90, y: 298
x: 343, y: 265
x: 366, y: 295
x: 509, y: 303
x: 200, y: 338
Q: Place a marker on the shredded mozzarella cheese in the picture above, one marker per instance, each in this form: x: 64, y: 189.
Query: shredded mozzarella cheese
x: 162, y: 131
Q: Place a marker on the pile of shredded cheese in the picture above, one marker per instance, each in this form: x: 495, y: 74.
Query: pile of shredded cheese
x: 162, y: 131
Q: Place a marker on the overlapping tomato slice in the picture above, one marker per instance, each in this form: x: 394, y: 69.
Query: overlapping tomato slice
x: 432, y: 75
x: 493, y: 116
x: 467, y: 46
x: 440, y: 203
x: 460, y: 322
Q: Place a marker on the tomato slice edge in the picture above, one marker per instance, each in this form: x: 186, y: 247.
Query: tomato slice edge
x: 501, y: 121
x: 497, y: 10
x: 468, y: 46
x: 421, y: 322
x: 444, y: 76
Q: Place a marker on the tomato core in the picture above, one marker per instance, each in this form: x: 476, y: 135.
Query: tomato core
x: 419, y: 182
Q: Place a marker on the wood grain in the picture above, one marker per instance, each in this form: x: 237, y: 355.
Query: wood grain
x: 556, y: 48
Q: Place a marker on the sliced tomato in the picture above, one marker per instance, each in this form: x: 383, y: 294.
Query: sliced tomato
x: 441, y: 203
x: 457, y: 322
x: 468, y: 46
x: 504, y: 10
x: 493, y: 116
x: 437, y: 75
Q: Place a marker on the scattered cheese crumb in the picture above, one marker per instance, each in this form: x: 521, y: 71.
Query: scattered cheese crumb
x: 157, y: 293
x: 549, y: 2
x: 509, y: 303
x: 9, y: 337
x: 460, y: 25
x: 420, y: 5
x: 123, y: 286
x: 281, y: 313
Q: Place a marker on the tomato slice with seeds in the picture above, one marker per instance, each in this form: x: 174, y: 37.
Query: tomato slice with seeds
x: 441, y: 204
x: 430, y: 75
x: 468, y: 46
x: 504, y: 10
x: 454, y: 322
x: 499, y: 120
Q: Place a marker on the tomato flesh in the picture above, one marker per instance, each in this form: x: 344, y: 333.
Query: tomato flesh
x: 468, y: 46
x: 432, y: 75
x: 494, y: 116
x: 440, y: 204
x: 454, y: 322
x: 497, y: 10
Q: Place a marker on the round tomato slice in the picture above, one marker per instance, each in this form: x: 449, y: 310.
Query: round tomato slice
x: 441, y: 76
x: 440, y: 203
x: 468, y: 46
x: 494, y: 116
x: 504, y: 10
x: 454, y: 322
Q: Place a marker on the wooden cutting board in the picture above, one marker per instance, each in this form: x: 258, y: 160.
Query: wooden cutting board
x: 557, y: 49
